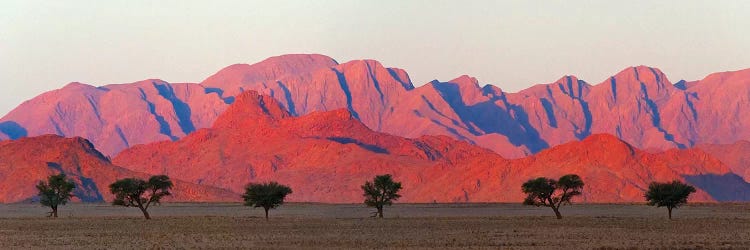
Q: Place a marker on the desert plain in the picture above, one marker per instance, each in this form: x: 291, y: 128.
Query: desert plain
x: 349, y: 226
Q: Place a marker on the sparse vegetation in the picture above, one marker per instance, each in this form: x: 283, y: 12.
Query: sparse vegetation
x: 381, y: 192
x: 134, y: 192
x: 668, y: 194
x: 552, y: 193
x: 266, y: 195
x: 55, y: 192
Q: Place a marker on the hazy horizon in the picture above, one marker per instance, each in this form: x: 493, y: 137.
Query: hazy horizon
x: 513, y: 45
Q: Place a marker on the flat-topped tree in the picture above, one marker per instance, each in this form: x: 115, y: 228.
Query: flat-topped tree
x: 134, y: 192
x: 56, y: 191
x: 552, y: 193
x: 266, y: 195
x: 382, y: 191
x: 668, y: 194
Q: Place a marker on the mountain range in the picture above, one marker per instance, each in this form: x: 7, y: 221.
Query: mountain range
x: 639, y: 105
x: 325, y: 127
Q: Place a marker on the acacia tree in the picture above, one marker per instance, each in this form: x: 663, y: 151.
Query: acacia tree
x: 134, y: 192
x: 382, y: 191
x: 668, y: 194
x: 266, y: 195
x: 552, y: 193
x: 56, y: 191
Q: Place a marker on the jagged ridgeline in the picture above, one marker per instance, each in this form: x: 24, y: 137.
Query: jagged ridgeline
x: 309, y: 121
x: 639, y: 105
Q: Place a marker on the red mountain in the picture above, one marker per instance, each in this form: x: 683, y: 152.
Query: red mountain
x: 326, y: 156
x: 25, y: 162
x: 639, y: 105
x: 257, y: 140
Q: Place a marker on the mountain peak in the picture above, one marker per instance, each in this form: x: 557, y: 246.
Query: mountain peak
x: 251, y: 107
x: 335, y: 122
x: 466, y: 81
x: 73, y: 86
x: 645, y: 81
x: 643, y: 74
x: 269, y: 69
x: 301, y: 58
x: 595, y: 145
x: 572, y: 86
x: 567, y: 78
x: 296, y: 63
x: 608, y: 144
x: 62, y: 144
x: 463, y: 89
x: 372, y: 73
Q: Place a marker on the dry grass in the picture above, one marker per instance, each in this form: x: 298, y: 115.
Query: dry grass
x: 347, y: 226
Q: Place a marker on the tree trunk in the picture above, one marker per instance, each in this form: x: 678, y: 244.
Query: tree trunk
x: 266, y: 212
x: 380, y: 212
x: 53, y: 214
x: 670, y: 212
x: 145, y: 213
x: 557, y: 212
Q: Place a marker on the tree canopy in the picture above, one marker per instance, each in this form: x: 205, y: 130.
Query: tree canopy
x: 552, y: 193
x: 668, y: 194
x: 134, y: 192
x: 56, y: 191
x: 266, y: 195
x: 380, y: 192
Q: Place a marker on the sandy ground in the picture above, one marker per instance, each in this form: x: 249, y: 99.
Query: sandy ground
x: 423, y: 226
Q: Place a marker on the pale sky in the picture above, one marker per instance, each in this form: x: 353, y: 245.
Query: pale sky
x: 512, y: 44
